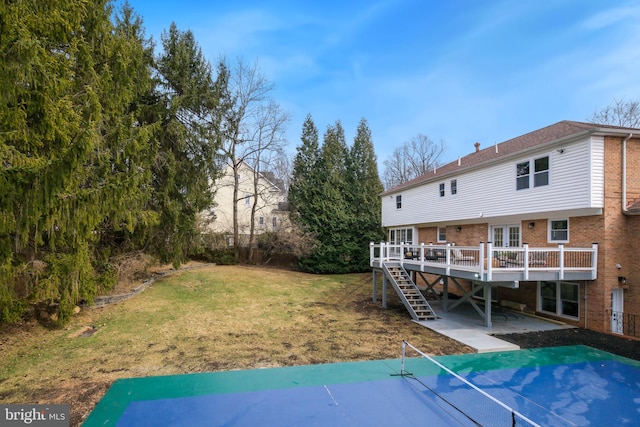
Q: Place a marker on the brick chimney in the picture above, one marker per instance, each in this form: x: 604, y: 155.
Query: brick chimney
x: 477, y: 145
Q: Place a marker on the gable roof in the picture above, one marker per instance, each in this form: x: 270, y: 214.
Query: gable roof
x: 555, y: 133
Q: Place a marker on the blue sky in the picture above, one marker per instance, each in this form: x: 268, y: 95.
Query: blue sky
x: 457, y: 71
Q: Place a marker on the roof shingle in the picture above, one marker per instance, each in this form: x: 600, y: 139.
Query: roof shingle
x: 563, y: 129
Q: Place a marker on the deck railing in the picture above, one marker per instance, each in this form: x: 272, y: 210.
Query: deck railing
x: 487, y: 261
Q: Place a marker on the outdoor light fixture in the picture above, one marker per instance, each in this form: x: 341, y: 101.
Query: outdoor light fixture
x: 532, y: 224
x: 458, y: 229
x: 622, y: 280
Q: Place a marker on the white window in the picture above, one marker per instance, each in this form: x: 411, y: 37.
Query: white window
x: 261, y: 221
x: 442, y: 234
x: 399, y: 201
x: 247, y: 200
x: 454, y: 186
x: 442, y: 189
x: 541, y: 171
x: 559, y: 230
x: 540, y: 176
x: 274, y: 222
x: 522, y: 175
x: 559, y: 298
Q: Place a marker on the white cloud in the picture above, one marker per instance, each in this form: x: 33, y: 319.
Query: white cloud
x: 612, y: 16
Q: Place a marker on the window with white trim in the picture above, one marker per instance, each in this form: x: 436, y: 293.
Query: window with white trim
x: 399, y: 201
x: 559, y: 230
x: 442, y: 234
x: 442, y: 189
x: 274, y: 222
x: 541, y: 171
x: 540, y: 176
x: 559, y: 298
x: 454, y: 186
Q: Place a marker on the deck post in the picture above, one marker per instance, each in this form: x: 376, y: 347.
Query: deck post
x: 445, y: 293
x: 487, y: 307
x: 561, y: 262
x: 371, y: 252
x: 525, y: 258
x: 384, y: 291
x: 375, y: 286
x: 489, y: 260
x: 481, y: 257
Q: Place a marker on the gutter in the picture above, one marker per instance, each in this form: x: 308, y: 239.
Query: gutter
x: 624, y: 173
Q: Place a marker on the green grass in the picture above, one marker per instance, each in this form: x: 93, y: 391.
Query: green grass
x: 210, y: 319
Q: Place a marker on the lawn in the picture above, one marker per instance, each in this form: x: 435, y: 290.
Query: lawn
x: 213, y: 318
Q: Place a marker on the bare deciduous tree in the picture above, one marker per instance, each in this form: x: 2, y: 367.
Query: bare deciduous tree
x: 414, y: 158
x: 255, y: 129
x: 619, y: 113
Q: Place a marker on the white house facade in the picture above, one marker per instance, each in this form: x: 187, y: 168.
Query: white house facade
x: 271, y: 212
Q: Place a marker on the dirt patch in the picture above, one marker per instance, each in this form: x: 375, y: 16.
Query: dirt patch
x: 80, y: 395
x: 616, y: 344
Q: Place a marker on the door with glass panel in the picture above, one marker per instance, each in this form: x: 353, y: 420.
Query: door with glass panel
x: 503, y: 237
x: 399, y: 236
x: 617, y: 310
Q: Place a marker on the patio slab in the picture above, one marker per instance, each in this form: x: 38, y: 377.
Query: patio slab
x: 465, y: 325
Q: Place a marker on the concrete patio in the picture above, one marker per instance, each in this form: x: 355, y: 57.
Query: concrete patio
x: 465, y: 325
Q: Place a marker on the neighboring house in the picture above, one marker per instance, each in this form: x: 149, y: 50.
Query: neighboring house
x: 554, y: 210
x: 271, y: 213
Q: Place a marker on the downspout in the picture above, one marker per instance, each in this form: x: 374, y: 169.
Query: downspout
x: 624, y: 173
x: 586, y: 311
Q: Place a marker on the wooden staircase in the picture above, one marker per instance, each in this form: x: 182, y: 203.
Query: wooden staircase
x: 408, y: 292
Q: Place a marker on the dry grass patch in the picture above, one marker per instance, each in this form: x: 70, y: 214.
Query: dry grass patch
x: 211, y: 319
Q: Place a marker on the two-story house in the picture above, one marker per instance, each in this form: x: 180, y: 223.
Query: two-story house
x: 271, y: 208
x: 545, y: 222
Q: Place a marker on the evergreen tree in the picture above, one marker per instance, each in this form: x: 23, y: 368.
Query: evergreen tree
x: 329, y: 220
x: 188, y: 142
x: 72, y: 159
x: 304, y: 185
x: 365, y: 189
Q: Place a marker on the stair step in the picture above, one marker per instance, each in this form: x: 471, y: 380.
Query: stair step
x: 415, y: 301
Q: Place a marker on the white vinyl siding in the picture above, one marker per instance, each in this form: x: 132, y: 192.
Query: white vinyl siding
x: 596, y: 164
x: 576, y: 177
